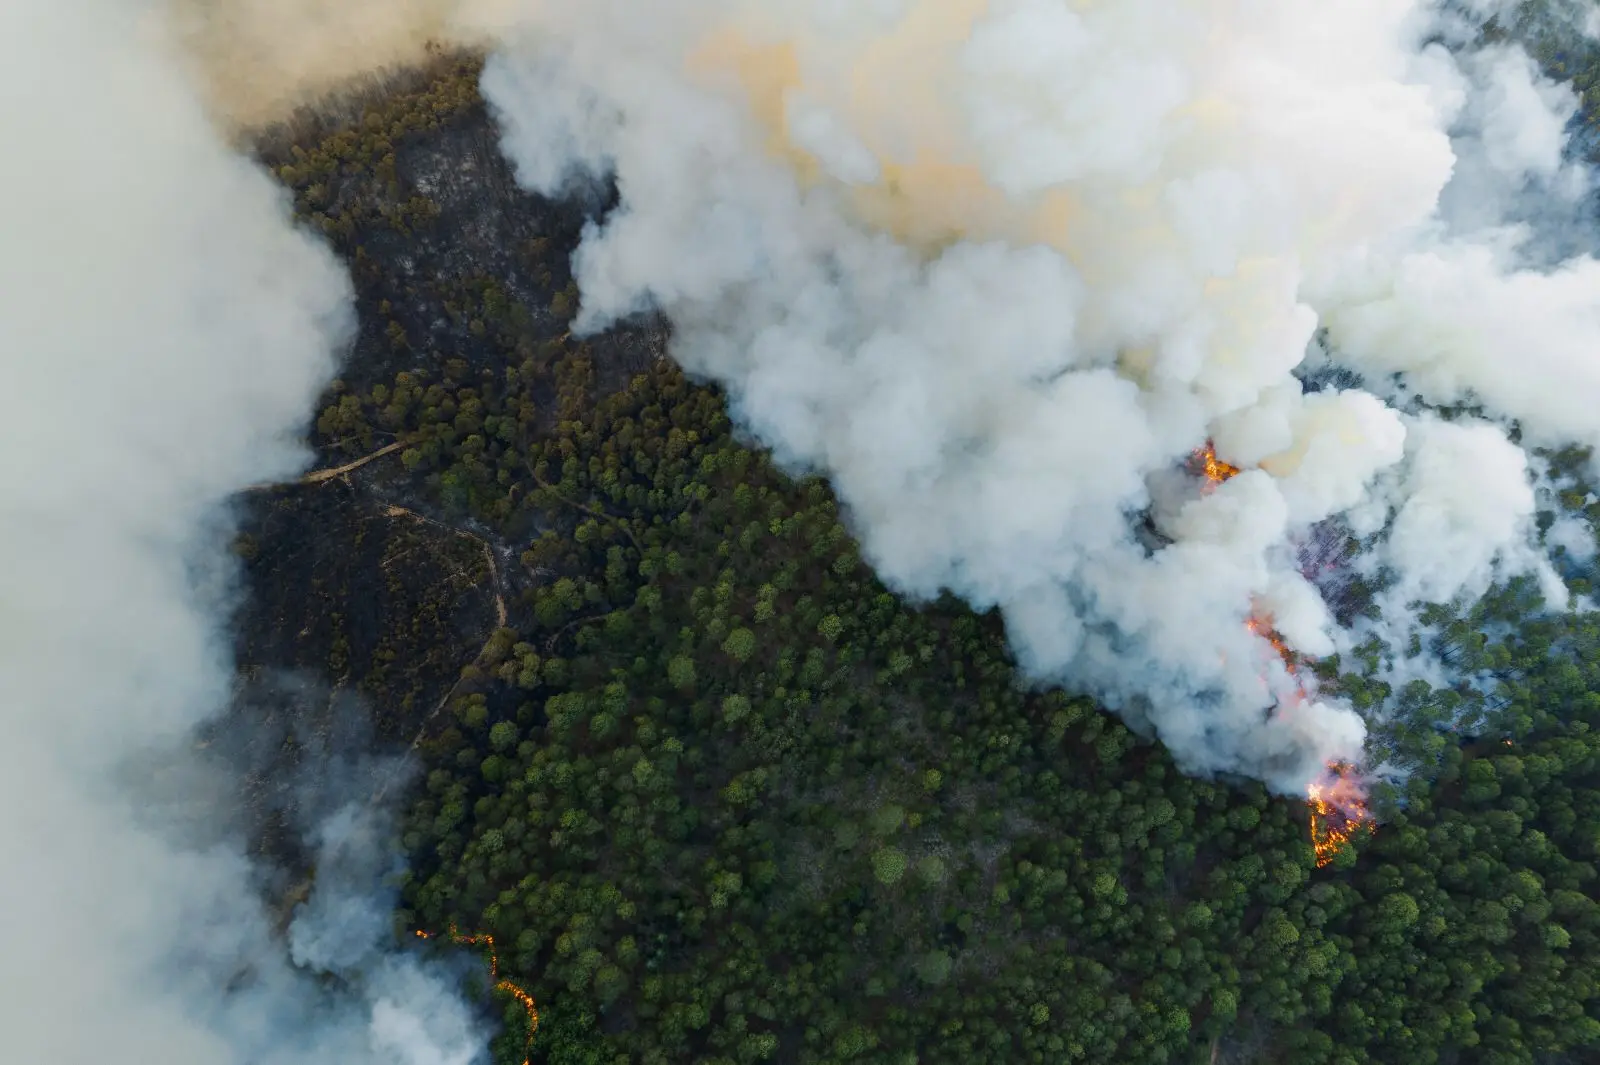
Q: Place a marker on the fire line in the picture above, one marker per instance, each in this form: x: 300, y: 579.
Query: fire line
x: 514, y: 990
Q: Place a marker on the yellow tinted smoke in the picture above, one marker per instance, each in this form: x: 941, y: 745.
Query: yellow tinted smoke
x: 893, y: 94
x: 260, y: 59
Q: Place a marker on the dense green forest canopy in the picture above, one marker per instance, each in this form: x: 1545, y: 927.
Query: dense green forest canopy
x: 721, y: 797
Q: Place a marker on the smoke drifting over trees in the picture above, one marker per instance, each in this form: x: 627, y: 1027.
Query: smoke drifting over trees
x: 165, y: 332
x: 996, y: 268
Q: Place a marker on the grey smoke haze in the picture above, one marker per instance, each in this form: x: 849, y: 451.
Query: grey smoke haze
x: 164, y: 331
x: 998, y: 268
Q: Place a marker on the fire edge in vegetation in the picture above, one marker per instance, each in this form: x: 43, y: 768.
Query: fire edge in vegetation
x: 516, y: 991
x: 1337, y: 798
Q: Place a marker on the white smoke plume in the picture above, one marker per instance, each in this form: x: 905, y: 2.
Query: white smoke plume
x: 998, y: 267
x: 164, y: 332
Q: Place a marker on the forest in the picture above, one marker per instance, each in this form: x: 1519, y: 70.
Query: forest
x: 719, y: 796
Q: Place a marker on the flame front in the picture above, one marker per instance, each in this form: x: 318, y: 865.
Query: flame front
x: 1336, y: 800
x: 514, y: 990
x: 1338, y: 812
x: 1338, y: 805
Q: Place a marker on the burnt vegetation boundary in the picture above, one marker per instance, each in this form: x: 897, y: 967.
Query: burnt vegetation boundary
x: 720, y: 797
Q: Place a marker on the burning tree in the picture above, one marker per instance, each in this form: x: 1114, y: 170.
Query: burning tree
x: 1338, y: 811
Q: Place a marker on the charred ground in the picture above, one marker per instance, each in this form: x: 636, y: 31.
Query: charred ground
x: 367, y: 585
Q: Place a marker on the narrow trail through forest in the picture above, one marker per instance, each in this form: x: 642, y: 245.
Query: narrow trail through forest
x: 321, y: 476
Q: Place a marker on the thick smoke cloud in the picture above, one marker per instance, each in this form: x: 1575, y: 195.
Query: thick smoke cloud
x: 164, y: 331
x: 998, y: 268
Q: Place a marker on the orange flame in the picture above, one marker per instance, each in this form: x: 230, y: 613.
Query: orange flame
x: 1271, y: 635
x: 515, y: 991
x: 1338, y: 805
x: 1337, y: 802
x: 1338, y: 812
x: 1213, y: 469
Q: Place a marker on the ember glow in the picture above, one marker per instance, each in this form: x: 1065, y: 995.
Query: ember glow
x: 1337, y: 798
x: 514, y: 990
